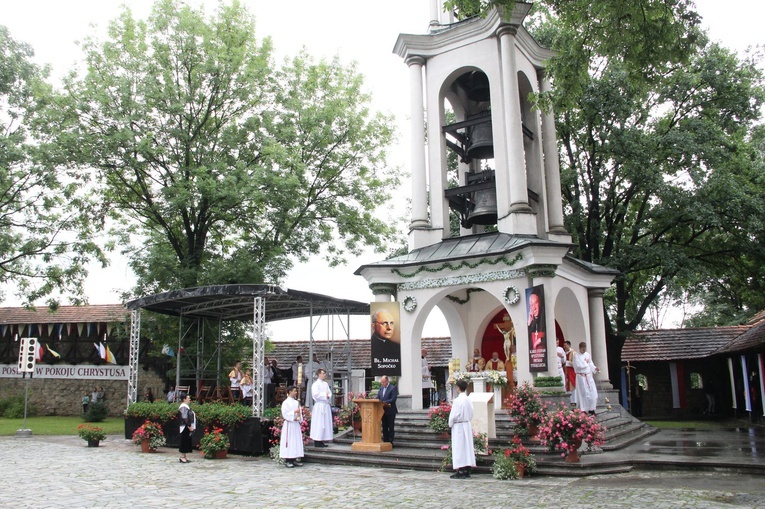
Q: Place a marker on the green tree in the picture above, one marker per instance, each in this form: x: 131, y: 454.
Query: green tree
x: 226, y: 167
x: 45, y: 232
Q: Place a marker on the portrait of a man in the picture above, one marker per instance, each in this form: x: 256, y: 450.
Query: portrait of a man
x: 535, y: 310
x: 386, y: 339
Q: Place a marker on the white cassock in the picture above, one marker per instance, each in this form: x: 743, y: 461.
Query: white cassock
x: 321, y: 413
x: 586, y: 392
x: 291, y: 440
x: 561, y: 357
x: 463, y: 450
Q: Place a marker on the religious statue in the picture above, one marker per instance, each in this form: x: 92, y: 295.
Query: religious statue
x: 509, y: 336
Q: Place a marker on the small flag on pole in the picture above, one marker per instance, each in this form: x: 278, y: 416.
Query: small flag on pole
x: 53, y: 352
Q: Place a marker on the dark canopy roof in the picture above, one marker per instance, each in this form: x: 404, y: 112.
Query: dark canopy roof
x: 235, y: 302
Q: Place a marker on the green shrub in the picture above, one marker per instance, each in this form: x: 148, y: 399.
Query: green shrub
x: 12, y: 407
x: 221, y: 415
x: 548, y: 381
x: 97, y: 412
x: 159, y: 411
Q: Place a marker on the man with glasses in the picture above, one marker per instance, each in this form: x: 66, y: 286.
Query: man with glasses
x: 386, y: 350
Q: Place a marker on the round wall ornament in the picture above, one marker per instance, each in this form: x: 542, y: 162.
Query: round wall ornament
x: 410, y: 303
x: 512, y: 295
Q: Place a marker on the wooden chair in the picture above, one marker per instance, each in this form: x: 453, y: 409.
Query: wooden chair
x: 234, y: 395
x: 204, y: 393
x: 281, y: 394
x: 181, y: 389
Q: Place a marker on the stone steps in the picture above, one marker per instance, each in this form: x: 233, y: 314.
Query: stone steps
x: 417, y: 447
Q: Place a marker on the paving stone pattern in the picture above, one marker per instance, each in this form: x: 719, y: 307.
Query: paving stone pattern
x: 61, y: 472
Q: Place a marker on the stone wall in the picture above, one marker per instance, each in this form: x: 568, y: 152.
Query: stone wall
x: 64, y: 397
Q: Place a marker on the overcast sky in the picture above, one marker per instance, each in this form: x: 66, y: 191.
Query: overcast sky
x: 360, y: 30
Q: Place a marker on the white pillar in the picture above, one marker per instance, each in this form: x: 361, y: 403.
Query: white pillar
x: 516, y: 182
x: 598, y: 337
x: 551, y: 165
x: 417, y: 148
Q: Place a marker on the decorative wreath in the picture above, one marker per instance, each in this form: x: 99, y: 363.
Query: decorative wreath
x: 410, y: 303
x: 512, y: 295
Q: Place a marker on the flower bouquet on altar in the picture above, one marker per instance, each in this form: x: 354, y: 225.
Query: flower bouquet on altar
x: 496, y: 378
x: 462, y: 375
x: 214, y: 442
x: 566, y: 430
x: 526, y: 407
x: 152, y: 432
x: 513, y: 462
x: 439, y: 418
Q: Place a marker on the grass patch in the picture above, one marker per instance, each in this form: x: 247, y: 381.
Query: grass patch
x: 58, y: 425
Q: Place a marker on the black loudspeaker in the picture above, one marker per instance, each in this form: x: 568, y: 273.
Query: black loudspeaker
x: 248, y: 438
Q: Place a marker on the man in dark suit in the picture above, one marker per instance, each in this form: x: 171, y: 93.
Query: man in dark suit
x: 388, y: 394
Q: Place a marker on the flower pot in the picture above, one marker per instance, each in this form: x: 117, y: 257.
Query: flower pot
x: 356, y: 425
x: 93, y: 443
x: 145, y: 447
x: 533, y: 433
x: 521, y: 469
x: 444, y: 435
x: 573, y: 453
x: 219, y: 455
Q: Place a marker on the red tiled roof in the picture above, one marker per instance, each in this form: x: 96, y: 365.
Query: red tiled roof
x: 751, y: 339
x: 285, y: 352
x: 670, y: 344
x: 103, y: 313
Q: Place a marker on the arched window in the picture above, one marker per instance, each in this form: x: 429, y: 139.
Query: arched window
x: 696, y: 382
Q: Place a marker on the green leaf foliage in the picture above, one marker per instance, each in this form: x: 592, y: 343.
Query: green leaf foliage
x: 221, y: 166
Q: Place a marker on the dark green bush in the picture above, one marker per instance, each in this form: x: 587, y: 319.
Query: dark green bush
x: 12, y: 407
x: 97, y: 412
x: 159, y: 411
x: 548, y: 381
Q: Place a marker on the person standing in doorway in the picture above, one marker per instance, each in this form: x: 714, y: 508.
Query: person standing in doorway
x: 427, y: 380
x: 460, y: 417
x: 388, y: 394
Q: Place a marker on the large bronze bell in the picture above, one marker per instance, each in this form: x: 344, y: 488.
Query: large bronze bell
x: 480, y: 138
x: 484, y: 207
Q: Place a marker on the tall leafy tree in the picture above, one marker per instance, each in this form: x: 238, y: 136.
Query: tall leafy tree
x: 45, y: 229
x: 226, y: 167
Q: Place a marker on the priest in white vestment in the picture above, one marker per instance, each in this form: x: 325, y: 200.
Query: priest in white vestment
x: 463, y: 450
x: 321, y: 413
x: 586, y: 392
x: 291, y: 440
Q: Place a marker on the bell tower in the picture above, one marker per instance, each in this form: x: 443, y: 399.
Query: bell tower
x: 490, y: 160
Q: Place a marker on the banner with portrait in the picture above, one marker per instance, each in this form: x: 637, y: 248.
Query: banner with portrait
x: 535, y: 311
x: 386, y: 338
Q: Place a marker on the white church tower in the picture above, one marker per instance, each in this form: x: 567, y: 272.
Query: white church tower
x: 484, y: 155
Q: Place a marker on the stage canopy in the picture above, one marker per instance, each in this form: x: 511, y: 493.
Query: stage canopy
x: 235, y: 302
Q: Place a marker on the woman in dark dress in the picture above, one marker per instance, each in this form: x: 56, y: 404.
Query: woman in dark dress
x: 188, y: 420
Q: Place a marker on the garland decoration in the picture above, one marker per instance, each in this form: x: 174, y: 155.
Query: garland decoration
x: 410, y: 304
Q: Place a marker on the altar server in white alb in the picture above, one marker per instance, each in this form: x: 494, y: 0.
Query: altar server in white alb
x: 463, y: 450
x: 321, y: 413
x: 586, y: 392
x: 291, y: 441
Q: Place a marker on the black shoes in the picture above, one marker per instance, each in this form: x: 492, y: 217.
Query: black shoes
x: 319, y: 444
x: 461, y: 474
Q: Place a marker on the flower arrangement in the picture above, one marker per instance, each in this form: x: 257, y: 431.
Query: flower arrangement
x: 346, y: 414
x: 91, y: 433
x: 276, y: 432
x: 496, y: 378
x: 480, y: 444
x: 513, y: 462
x: 152, y: 432
x: 439, y: 418
x: 214, y: 441
x: 461, y: 375
x: 567, y: 430
x: 526, y: 407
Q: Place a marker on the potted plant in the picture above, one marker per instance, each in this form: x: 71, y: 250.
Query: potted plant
x: 513, y: 462
x: 480, y: 444
x: 526, y: 407
x: 93, y: 434
x: 214, y: 444
x: 567, y: 430
x: 439, y: 418
x: 149, y: 436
